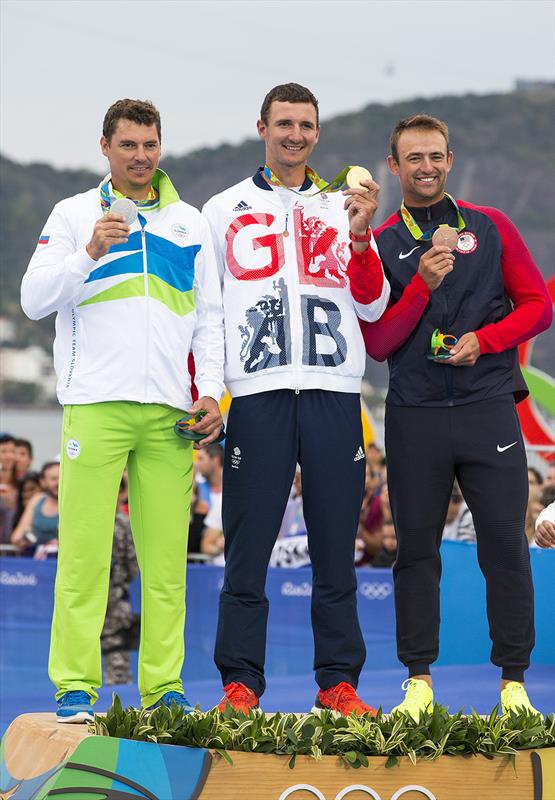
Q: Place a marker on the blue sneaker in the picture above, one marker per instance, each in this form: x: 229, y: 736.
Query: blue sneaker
x: 170, y: 698
x: 75, y: 707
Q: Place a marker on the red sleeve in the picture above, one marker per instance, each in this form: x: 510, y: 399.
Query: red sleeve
x: 365, y: 275
x: 524, y: 284
x: 192, y: 371
x: 391, y: 331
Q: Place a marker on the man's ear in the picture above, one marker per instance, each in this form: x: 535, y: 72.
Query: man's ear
x: 261, y: 127
x: 392, y: 165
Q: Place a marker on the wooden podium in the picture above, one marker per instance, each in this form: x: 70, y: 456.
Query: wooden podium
x: 41, y: 758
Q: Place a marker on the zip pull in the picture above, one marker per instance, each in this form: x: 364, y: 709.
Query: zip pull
x: 297, y: 390
x: 286, y: 232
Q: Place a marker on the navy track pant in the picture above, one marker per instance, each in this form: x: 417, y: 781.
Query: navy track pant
x: 267, y: 435
x: 481, y: 445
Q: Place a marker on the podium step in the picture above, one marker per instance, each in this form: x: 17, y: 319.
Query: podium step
x: 40, y: 756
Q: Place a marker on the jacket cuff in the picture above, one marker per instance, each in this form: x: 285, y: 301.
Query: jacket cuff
x: 366, y: 278
x: 211, y: 389
x: 420, y: 286
x: 80, y: 263
x: 486, y: 345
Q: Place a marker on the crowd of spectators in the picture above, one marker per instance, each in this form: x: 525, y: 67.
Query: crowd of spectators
x: 376, y: 542
x: 28, y: 500
x: 29, y: 527
x: 29, y: 510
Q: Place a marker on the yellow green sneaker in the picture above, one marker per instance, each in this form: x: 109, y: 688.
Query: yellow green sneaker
x: 515, y: 698
x: 419, y: 698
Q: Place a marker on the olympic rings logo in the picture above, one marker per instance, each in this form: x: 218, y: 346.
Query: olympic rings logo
x: 356, y: 787
x: 375, y: 591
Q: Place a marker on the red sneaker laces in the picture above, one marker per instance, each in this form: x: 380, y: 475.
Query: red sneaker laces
x: 238, y: 691
x: 346, y: 698
x: 238, y: 695
x: 344, y: 693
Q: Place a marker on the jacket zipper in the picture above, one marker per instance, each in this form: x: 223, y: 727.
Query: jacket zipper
x: 147, y: 310
x: 448, y: 370
x: 294, y: 302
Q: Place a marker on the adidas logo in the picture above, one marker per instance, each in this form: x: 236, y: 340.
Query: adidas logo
x: 359, y: 454
x: 242, y: 206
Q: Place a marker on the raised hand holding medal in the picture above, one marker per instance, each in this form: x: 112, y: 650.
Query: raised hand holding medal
x: 361, y: 204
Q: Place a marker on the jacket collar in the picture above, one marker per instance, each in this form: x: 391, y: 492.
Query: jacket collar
x: 260, y: 181
x: 431, y: 213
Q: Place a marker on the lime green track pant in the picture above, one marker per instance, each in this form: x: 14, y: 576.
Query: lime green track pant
x: 98, y: 440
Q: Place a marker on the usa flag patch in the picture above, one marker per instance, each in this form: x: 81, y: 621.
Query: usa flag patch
x: 44, y: 239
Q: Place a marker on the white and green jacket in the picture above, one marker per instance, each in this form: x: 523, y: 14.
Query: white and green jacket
x: 126, y: 323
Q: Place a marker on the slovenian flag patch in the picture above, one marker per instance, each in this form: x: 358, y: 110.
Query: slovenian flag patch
x: 44, y: 239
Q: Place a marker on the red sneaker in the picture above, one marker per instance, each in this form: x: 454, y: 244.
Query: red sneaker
x: 343, y: 700
x: 239, y: 697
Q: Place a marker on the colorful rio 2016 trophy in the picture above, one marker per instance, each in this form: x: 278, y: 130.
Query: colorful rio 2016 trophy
x: 441, y: 345
x: 183, y: 428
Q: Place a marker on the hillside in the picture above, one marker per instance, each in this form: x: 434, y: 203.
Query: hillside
x: 503, y: 144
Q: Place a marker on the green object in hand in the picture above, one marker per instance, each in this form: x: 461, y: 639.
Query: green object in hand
x: 441, y: 344
x: 183, y: 427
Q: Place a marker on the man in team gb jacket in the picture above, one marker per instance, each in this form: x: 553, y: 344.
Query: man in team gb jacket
x: 131, y: 302
x: 294, y: 363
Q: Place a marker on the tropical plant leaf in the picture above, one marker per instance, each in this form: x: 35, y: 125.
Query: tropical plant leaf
x: 352, y: 738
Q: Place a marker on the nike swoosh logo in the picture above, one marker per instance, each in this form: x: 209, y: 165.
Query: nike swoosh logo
x: 406, y: 255
x: 502, y: 449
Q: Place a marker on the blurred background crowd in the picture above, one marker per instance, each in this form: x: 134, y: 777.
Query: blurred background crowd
x: 29, y: 509
x: 29, y: 528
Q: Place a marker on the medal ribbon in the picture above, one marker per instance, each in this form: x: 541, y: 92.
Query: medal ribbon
x: 417, y: 232
x: 323, y: 187
x: 108, y: 194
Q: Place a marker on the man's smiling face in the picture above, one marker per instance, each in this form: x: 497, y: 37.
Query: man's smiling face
x: 422, y: 167
x: 133, y: 153
x: 290, y: 134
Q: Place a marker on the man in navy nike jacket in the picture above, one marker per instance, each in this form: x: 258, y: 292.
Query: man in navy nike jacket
x: 459, y: 409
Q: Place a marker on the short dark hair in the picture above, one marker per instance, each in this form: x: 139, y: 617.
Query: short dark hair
x: 47, y: 466
x: 143, y: 112
x: 32, y: 475
x: 6, y: 437
x: 288, y: 93
x: 424, y: 122
x: 537, y: 475
x: 215, y: 450
x: 26, y: 444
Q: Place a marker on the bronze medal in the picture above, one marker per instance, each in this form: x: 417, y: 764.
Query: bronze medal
x: 446, y: 237
x: 355, y: 175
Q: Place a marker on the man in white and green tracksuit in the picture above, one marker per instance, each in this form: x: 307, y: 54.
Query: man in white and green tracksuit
x: 132, y: 303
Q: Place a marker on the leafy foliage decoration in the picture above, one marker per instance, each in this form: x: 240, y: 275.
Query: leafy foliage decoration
x: 353, y: 738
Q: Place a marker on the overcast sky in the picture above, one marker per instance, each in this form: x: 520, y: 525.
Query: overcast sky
x: 207, y: 65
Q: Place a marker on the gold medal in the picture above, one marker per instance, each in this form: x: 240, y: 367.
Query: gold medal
x: 355, y: 175
x: 446, y: 237
x: 286, y: 233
